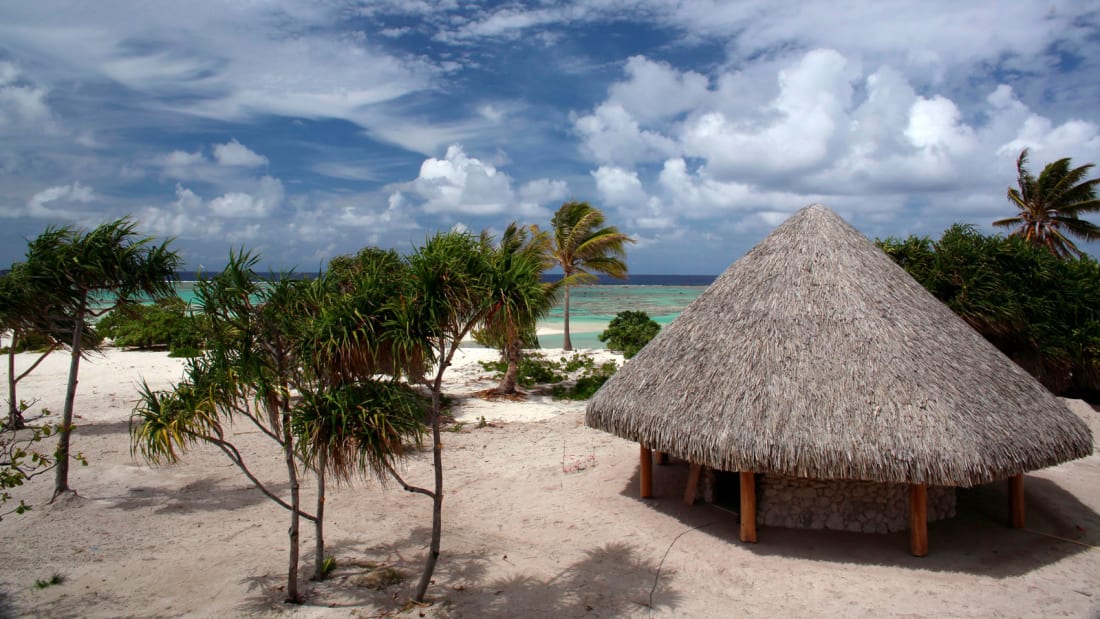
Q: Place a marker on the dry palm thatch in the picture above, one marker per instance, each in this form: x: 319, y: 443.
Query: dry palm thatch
x: 815, y: 355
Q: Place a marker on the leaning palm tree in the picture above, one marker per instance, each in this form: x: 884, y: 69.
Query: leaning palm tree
x: 521, y: 297
x: 1051, y: 205
x: 88, y: 274
x: 583, y: 246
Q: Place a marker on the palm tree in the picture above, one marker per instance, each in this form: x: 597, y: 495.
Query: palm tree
x: 1051, y: 205
x: 582, y: 246
x: 521, y: 297
x: 82, y: 269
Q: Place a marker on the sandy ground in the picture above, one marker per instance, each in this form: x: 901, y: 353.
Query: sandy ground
x: 541, y: 519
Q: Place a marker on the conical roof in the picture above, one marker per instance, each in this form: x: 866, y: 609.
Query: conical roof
x: 815, y: 355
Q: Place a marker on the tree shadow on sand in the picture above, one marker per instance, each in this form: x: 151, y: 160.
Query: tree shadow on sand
x: 203, y: 495
x: 100, y: 429
x: 976, y: 541
x: 375, y: 580
x: 7, y: 607
x: 612, y: 580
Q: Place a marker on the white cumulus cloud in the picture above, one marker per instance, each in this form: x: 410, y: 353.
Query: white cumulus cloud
x: 58, y: 201
x: 233, y: 153
x: 267, y: 197
x: 458, y: 184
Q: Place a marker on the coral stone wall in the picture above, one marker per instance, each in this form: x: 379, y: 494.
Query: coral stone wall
x: 859, y: 506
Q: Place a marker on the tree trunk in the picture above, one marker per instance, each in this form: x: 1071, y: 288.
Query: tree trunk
x: 61, y: 479
x: 15, y: 415
x: 513, y: 352
x: 319, y: 526
x: 437, y: 498
x: 295, y: 507
x: 566, y: 343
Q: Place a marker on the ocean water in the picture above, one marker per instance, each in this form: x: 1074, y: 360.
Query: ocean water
x: 591, y: 308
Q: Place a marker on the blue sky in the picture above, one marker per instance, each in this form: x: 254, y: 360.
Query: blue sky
x: 309, y: 130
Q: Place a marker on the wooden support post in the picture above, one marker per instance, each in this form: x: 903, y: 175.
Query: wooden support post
x: 662, y: 457
x: 748, y: 507
x: 647, y: 473
x: 1016, y: 500
x: 918, y: 520
x: 708, y: 485
x: 693, y: 484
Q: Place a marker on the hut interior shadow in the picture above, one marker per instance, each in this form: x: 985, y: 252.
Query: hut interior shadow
x: 977, y: 540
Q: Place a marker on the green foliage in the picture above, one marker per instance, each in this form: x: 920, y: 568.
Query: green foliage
x: 1049, y: 207
x: 1041, y: 311
x: 592, y: 377
x: 358, y: 426
x: 328, y: 566
x: 575, y: 377
x: 166, y: 323
x: 629, y: 331
x: 22, y: 459
x: 31, y: 342
x: 534, y: 369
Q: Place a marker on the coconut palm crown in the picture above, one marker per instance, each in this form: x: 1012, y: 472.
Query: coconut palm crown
x: 583, y: 246
x: 1051, y: 205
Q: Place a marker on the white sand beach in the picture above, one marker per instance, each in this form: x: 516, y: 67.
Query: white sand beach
x: 541, y: 519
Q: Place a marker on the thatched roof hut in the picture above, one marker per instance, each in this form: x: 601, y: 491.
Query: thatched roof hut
x: 816, y: 356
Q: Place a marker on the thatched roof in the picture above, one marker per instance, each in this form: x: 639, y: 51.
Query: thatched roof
x: 815, y: 355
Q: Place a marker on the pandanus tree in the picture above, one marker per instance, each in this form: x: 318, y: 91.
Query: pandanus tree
x: 355, y: 417
x: 87, y: 274
x: 22, y: 316
x: 299, y: 360
x: 584, y: 246
x: 522, y: 298
x: 1050, y: 206
x: 448, y: 297
x: 246, y: 372
x: 455, y: 285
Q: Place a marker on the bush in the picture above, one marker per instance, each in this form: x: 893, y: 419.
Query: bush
x: 591, y: 379
x: 164, y: 324
x: 629, y: 331
x: 536, y: 369
x: 1042, y: 312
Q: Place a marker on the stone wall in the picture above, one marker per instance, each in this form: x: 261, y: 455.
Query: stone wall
x: 859, y: 506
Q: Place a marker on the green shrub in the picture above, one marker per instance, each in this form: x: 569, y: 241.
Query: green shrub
x: 629, y: 331
x: 1040, y: 311
x: 164, y: 324
x: 536, y: 369
x: 588, y: 383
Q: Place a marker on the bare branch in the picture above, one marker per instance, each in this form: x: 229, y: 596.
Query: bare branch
x: 407, y: 487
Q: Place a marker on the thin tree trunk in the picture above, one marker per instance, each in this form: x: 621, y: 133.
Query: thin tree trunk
x: 437, y: 497
x: 15, y: 416
x: 61, y: 479
x: 513, y: 352
x: 566, y: 343
x: 319, y: 525
x: 295, y: 505
x: 15, y: 411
